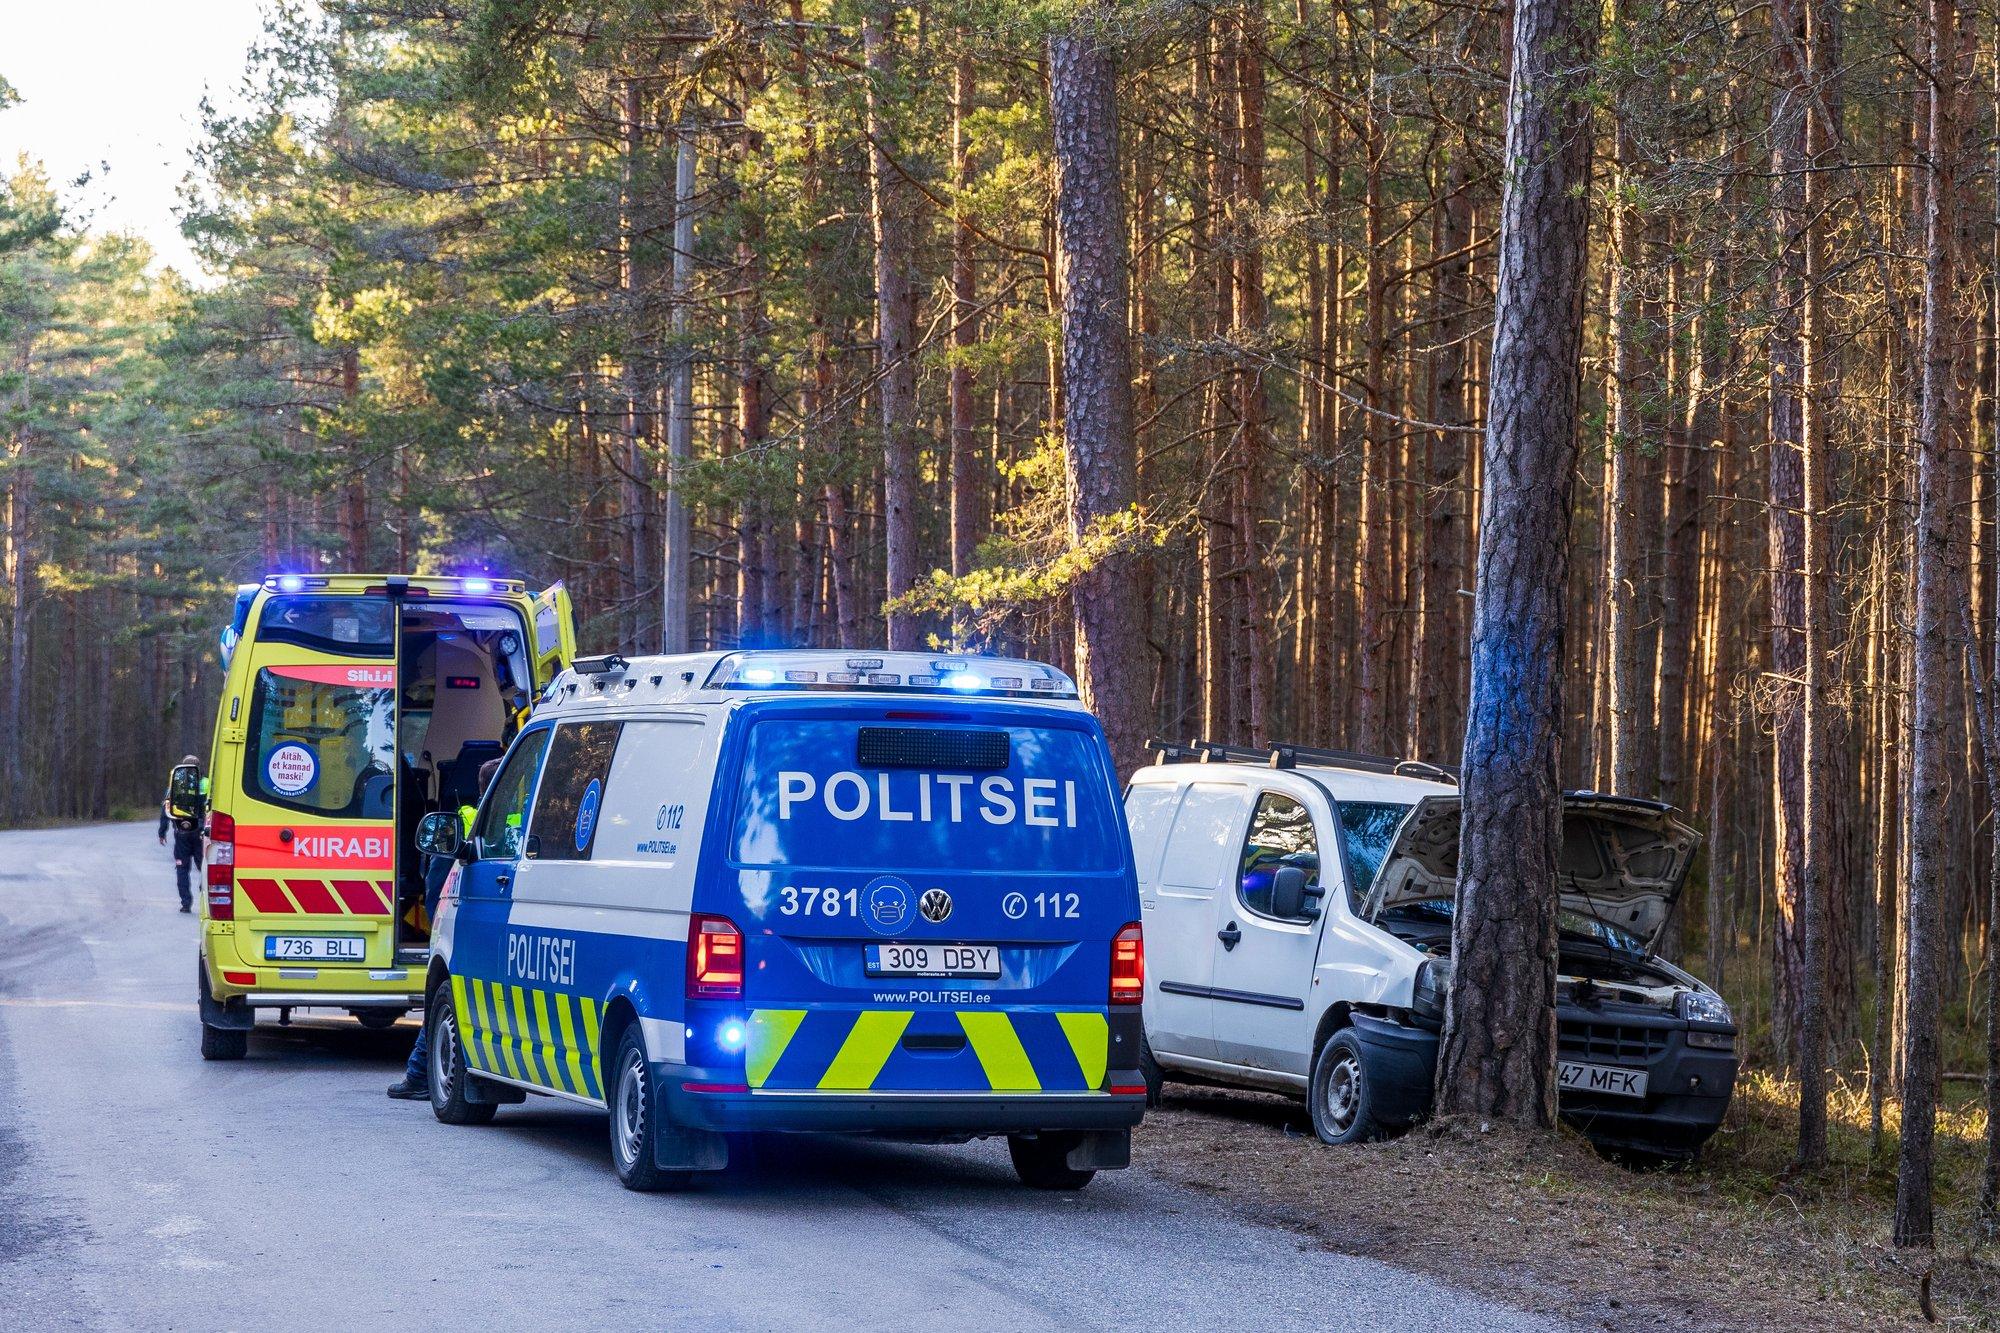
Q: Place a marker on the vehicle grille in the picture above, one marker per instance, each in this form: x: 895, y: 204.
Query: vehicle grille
x: 1612, y: 1042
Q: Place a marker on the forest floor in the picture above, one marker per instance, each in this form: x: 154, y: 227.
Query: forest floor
x: 1729, y: 1243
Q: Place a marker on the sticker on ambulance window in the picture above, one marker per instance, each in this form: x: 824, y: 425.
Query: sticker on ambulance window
x: 291, y: 769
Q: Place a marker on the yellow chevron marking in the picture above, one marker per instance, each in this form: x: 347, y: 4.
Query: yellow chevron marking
x: 1000, y: 1053
x: 524, y: 1034
x: 576, y: 1083
x: 1090, y: 1041
x: 458, y: 1009
x: 545, y: 1049
x: 771, y: 1030
x: 869, y: 1044
x: 591, y: 1030
x: 496, y: 1027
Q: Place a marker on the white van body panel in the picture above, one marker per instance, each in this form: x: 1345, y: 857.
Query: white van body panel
x: 1264, y: 998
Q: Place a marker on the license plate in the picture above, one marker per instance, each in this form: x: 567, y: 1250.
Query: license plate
x: 315, y: 948
x: 1602, y: 1078
x: 933, y: 960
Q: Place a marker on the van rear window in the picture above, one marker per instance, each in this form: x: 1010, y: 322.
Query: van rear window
x: 350, y: 626
x: 806, y: 800
x: 323, y: 740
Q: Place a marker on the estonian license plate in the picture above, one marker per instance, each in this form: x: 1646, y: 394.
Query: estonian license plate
x: 315, y: 948
x: 933, y: 960
x: 1602, y: 1078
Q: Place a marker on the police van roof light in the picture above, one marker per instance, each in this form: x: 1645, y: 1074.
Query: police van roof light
x: 820, y: 669
x: 600, y: 665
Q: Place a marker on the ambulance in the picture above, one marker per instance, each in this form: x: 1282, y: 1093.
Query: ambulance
x: 353, y: 705
x: 886, y: 894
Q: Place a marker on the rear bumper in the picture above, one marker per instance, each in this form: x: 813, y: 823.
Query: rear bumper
x: 273, y: 987
x: 942, y: 1114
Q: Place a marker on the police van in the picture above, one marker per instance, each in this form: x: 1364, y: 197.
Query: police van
x: 806, y: 890
x: 353, y: 705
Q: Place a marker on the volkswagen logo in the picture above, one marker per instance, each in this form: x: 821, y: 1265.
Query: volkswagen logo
x: 935, y: 905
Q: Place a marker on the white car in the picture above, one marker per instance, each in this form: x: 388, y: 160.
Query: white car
x: 1297, y: 908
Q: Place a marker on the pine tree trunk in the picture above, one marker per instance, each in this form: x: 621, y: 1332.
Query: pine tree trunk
x: 895, y: 321
x: 965, y: 476
x: 1097, y: 399
x: 1941, y: 590
x: 1498, y: 1059
x: 676, y: 528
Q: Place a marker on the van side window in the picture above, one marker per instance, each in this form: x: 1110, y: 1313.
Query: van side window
x: 504, y: 816
x: 572, y: 796
x: 1281, y: 834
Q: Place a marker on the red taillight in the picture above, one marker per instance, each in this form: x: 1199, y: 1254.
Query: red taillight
x: 1128, y: 965
x: 221, y: 868
x: 240, y: 978
x: 715, y: 958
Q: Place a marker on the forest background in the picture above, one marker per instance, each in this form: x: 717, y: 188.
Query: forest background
x: 742, y: 320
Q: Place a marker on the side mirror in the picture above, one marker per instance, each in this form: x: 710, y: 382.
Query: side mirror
x: 1293, y: 895
x: 184, y: 793
x: 438, y: 835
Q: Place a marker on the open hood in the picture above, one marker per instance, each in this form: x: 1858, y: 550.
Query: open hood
x: 1623, y: 863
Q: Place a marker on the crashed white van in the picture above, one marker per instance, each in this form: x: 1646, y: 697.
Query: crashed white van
x: 1297, y: 907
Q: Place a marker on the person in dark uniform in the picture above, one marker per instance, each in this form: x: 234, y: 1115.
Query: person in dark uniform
x: 187, y: 844
x: 416, y: 1083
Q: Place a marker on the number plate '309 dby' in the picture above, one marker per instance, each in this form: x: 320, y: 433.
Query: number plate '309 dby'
x: 933, y: 960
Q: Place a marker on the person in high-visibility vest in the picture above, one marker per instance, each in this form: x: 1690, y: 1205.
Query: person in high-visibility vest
x: 416, y: 1081
x: 186, y: 826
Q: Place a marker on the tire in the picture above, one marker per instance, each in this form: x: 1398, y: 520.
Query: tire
x: 1041, y: 1162
x: 1150, y: 1071
x: 378, y: 1020
x: 1341, y: 1098
x: 224, y: 1043
x: 449, y: 1073
x: 635, y: 1121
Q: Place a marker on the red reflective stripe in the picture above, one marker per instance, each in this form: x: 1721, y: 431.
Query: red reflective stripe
x: 359, y: 896
x: 240, y: 978
x: 265, y: 896
x: 313, y: 897
x: 384, y: 889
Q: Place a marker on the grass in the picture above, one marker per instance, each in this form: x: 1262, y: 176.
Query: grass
x: 1739, y: 1240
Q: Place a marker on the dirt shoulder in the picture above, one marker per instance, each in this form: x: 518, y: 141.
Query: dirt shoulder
x: 1557, y: 1230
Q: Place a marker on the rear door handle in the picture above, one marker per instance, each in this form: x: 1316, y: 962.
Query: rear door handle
x: 1229, y: 935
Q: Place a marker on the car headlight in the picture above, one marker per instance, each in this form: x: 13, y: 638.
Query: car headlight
x: 1428, y: 992
x: 1706, y: 1007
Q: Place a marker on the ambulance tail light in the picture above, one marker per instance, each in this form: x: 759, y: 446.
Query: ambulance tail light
x: 1128, y: 965
x: 715, y: 958
x: 221, y: 868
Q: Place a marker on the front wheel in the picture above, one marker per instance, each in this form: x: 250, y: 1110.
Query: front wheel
x: 1151, y: 1073
x: 449, y: 1073
x: 1341, y: 1096
x: 1042, y: 1162
x: 635, y: 1121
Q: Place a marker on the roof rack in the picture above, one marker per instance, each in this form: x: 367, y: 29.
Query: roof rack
x: 1291, y: 756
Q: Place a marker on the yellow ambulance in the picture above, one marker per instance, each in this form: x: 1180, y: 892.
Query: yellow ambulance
x: 354, y: 705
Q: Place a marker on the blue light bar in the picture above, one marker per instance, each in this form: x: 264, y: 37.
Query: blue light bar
x: 290, y: 583
x: 479, y: 587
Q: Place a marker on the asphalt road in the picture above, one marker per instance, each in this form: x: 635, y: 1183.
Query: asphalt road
x: 141, y: 1187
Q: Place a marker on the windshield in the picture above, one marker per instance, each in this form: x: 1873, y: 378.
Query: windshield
x: 860, y: 796
x: 1367, y: 828
x: 323, y: 740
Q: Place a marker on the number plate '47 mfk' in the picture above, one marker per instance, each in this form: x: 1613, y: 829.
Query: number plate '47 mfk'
x: 1609, y: 1079
x: 933, y: 960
